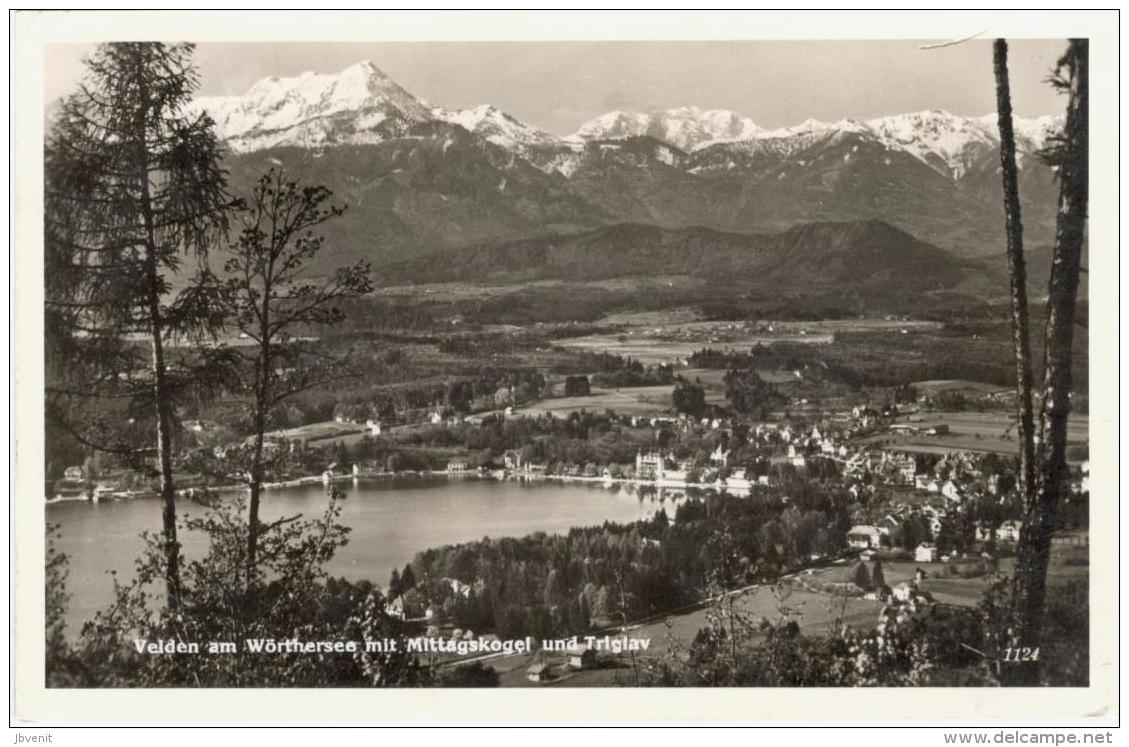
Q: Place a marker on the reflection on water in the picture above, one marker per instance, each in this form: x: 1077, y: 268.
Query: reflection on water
x: 391, y: 519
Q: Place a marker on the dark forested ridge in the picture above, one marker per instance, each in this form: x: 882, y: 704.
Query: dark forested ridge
x: 809, y: 255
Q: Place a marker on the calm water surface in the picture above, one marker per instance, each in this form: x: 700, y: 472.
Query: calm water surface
x: 391, y: 519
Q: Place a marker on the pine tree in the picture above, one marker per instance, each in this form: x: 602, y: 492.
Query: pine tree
x: 553, y: 588
x: 584, y: 612
x: 341, y: 456
x: 860, y: 576
x: 407, y: 579
x: 877, y: 577
x: 134, y: 188
x: 394, y: 584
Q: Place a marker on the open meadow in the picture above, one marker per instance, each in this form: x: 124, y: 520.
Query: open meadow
x: 991, y: 431
x: 817, y: 612
x: 675, y: 343
x: 640, y: 400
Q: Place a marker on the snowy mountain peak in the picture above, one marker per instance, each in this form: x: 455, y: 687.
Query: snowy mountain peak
x: 685, y: 127
x: 500, y: 128
x: 484, y: 116
x: 614, y: 124
x: 807, y: 127
x: 938, y: 136
x: 932, y: 123
x: 356, y: 104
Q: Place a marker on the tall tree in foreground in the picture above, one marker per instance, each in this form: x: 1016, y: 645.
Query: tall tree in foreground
x: 267, y: 296
x: 1017, y: 272
x: 1046, y: 475
x: 134, y: 188
x: 1071, y: 155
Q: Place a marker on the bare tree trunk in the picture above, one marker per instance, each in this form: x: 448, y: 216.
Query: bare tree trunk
x: 1018, y: 274
x: 256, y: 486
x: 253, y: 510
x: 160, y: 374
x: 262, y: 392
x: 168, y: 493
x: 1034, y: 543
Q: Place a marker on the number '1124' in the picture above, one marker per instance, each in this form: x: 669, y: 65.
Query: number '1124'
x: 1021, y: 653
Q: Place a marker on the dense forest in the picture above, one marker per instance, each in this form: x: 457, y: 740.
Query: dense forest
x: 544, y: 585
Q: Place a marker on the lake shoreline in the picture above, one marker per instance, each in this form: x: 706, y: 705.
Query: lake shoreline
x: 392, y: 518
x: 519, y: 475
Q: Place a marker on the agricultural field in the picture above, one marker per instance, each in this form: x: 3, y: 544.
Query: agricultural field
x: 712, y: 380
x: 691, y: 319
x: 1069, y: 564
x: 960, y: 386
x: 816, y: 613
x: 945, y: 588
x: 328, y: 429
x: 649, y: 352
x: 682, y: 315
x: 642, y: 400
x: 671, y: 337
x: 447, y: 292
x: 988, y: 432
x: 669, y: 345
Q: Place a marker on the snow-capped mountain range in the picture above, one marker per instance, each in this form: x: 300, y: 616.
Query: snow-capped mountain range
x: 362, y: 105
x: 420, y: 176
x: 936, y: 137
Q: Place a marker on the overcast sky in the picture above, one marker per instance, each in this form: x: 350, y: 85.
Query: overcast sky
x: 559, y: 85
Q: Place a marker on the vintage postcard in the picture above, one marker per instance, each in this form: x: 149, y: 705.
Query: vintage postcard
x: 519, y: 358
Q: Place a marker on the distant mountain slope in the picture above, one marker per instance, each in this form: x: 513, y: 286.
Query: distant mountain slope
x: 437, y: 186
x: 840, y: 175
x: 853, y: 254
x: 505, y: 131
x: 863, y: 253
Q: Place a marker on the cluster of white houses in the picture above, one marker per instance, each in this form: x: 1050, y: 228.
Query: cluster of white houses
x: 955, y: 478
x: 869, y: 538
x: 656, y: 467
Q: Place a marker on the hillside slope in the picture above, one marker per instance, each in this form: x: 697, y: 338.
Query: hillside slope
x: 856, y: 254
x: 437, y: 186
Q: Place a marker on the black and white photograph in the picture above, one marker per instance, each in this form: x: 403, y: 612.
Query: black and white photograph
x: 570, y: 364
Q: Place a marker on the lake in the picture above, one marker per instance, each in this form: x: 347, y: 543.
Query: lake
x: 391, y: 519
